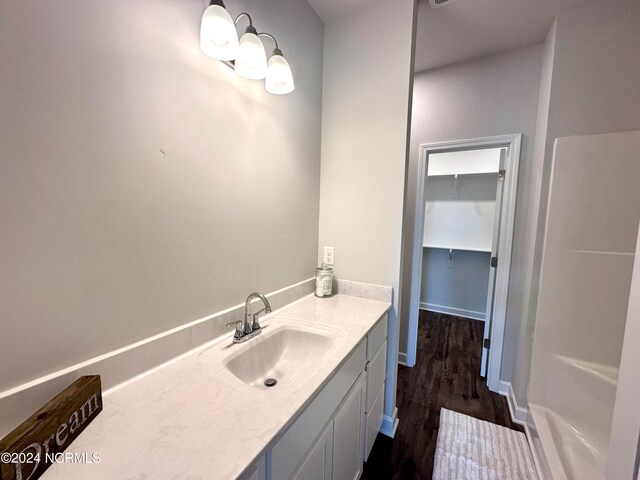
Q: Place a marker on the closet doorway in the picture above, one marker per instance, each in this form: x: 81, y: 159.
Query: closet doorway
x: 465, y: 209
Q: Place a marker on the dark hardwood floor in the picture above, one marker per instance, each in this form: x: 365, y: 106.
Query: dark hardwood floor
x: 447, y: 374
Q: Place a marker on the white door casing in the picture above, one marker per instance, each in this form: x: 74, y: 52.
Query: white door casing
x: 513, y: 144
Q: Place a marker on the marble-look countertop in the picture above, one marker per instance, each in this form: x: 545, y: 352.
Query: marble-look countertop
x: 179, y: 421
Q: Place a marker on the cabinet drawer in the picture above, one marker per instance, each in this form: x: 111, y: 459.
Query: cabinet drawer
x: 376, y: 337
x: 290, y: 450
x: 373, y: 422
x: 376, y: 370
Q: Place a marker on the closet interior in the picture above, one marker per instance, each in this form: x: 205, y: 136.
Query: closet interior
x: 460, y: 210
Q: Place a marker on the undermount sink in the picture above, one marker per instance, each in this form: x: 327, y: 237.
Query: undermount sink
x: 286, y: 351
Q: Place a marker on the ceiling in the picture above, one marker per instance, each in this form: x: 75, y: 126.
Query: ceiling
x: 467, y: 29
x: 329, y: 10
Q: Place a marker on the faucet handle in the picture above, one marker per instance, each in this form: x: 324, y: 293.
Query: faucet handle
x: 239, y: 332
x: 255, y: 324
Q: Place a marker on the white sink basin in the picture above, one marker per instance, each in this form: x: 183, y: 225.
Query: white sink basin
x: 287, y: 351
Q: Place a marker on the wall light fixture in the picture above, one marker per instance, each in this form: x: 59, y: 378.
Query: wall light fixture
x: 219, y: 40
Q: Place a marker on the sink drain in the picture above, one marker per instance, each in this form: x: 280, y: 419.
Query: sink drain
x: 270, y: 382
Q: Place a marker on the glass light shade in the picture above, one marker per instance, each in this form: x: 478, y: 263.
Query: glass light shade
x: 279, y: 78
x: 218, y: 36
x: 251, y: 61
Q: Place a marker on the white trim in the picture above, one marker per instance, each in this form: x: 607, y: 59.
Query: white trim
x: 519, y: 414
x: 402, y: 359
x: 458, y: 312
x: 513, y: 143
x: 390, y: 424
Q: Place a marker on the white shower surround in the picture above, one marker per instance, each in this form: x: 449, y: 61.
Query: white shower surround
x: 590, y: 242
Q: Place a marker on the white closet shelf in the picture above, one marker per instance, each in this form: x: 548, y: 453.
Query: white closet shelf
x: 466, y: 249
x: 462, y: 174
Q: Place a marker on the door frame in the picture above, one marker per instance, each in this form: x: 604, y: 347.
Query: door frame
x: 513, y: 142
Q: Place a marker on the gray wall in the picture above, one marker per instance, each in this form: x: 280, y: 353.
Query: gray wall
x: 142, y: 184
x: 489, y: 96
x: 365, y: 121
x: 461, y: 289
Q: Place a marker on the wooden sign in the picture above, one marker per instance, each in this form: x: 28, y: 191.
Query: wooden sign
x: 39, y: 442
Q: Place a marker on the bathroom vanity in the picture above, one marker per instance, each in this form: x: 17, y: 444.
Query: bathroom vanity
x: 212, y: 414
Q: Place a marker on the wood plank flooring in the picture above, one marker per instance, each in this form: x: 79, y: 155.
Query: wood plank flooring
x: 447, y: 374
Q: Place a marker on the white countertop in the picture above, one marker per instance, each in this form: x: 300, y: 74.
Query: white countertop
x: 179, y: 421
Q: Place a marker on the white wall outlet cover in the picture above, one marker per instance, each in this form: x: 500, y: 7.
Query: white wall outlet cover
x: 329, y: 256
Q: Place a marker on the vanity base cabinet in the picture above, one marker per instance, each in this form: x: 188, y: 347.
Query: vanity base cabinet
x: 290, y: 450
x: 332, y: 437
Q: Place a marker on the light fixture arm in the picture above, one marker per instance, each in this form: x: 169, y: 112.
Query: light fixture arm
x: 250, y: 28
x: 277, y: 51
x: 246, y: 15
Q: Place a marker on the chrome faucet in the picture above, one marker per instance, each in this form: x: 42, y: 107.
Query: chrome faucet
x: 249, y: 327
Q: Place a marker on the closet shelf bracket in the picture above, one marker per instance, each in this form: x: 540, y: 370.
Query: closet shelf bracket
x: 456, y: 187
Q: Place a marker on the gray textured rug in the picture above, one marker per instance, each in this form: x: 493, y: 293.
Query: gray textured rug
x: 472, y: 449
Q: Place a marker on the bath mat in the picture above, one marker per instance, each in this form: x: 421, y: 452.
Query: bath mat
x: 472, y: 449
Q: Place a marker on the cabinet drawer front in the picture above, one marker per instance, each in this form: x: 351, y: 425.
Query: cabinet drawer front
x: 376, y: 370
x: 376, y: 337
x: 373, y: 421
x: 290, y: 450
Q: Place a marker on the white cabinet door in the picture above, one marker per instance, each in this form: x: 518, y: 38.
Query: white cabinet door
x: 348, y: 435
x: 373, y: 422
x: 317, y: 465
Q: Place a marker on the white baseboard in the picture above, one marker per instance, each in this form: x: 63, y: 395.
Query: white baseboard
x: 519, y: 414
x: 458, y: 312
x: 390, y: 424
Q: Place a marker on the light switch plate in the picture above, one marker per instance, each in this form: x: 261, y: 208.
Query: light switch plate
x: 329, y: 256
